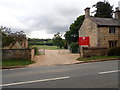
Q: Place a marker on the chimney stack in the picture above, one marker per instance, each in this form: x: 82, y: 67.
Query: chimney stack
x: 117, y: 13
x: 87, y: 12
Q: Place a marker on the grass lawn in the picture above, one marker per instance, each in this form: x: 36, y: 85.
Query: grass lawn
x: 46, y: 47
x: 8, y: 63
x: 97, y: 57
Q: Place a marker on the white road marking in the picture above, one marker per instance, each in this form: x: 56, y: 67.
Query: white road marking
x: 43, y: 80
x: 108, y: 72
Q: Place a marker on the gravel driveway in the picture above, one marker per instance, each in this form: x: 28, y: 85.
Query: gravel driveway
x: 55, y: 57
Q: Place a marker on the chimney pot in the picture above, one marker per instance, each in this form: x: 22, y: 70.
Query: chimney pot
x: 117, y: 13
x: 87, y: 12
x: 117, y: 8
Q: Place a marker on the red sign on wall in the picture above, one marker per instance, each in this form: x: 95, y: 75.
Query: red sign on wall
x: 84, y: 41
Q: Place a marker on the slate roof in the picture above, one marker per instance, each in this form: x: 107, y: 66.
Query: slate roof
x: 106, y: 21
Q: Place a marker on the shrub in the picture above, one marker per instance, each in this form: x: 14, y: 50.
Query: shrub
x: 74, y: 47
x: 114, y: 52
x: 36, y: 51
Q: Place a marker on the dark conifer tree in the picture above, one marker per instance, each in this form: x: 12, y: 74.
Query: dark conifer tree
x: 103, y: 9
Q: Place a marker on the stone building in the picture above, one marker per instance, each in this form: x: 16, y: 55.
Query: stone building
x: 103, y: 32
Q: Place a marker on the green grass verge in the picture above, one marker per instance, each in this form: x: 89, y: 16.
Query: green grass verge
x: 97, y: 58
x: 45, y: 47
x: 8, y: 63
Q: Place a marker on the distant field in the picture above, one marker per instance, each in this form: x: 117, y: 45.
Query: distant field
x: 46, y: 47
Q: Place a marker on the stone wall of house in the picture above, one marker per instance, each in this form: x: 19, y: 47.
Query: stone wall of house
x: 105, y: 36
x: 93, y: 51
x: 99, y: 37
x: 9, y: 54
x: 119, y: 36
x: 89, y: 28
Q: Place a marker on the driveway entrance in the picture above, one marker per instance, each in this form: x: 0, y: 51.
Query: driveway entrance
x: 55, y: 57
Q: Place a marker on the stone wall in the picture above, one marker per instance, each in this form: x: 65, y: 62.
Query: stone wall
x: 105, y: 36
x: 93, y: 51
x: 9, y: 54
x: 89, y: 28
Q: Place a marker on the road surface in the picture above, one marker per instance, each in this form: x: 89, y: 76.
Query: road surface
x: 87, y: 75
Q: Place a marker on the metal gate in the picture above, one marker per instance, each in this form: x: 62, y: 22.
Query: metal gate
x: 41, y: 50
x: 63, y: 51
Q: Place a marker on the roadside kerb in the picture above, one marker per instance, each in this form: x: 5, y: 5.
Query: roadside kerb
x: 98, y: 60
x: 81, y: 62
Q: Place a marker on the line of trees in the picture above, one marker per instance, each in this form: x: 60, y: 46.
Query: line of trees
x: 35, y: 41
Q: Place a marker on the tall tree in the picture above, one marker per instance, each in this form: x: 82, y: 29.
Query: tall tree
x: 103, y: 9
x: 72, y: 35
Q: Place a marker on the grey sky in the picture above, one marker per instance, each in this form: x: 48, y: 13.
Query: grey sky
x: 43, y: 18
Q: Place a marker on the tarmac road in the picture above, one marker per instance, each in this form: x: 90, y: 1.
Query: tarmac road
x: 87, y: 75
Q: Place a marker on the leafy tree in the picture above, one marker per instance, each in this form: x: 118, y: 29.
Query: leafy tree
x: 74, y: 47
x: 104, y: 9
x: 72, y: 35
x: 11, y: 38
x: 65, y: 44
x: 57, y: 40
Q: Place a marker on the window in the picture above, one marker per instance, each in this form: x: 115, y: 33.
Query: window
x: 112, y: 30
x: 112, y: 44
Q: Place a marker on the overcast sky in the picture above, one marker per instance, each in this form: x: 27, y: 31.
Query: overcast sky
x: 43, y: 18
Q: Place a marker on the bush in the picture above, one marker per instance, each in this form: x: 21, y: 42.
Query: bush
x: 36, y: 51
x: 114, y: 52
x: 74, y: 47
